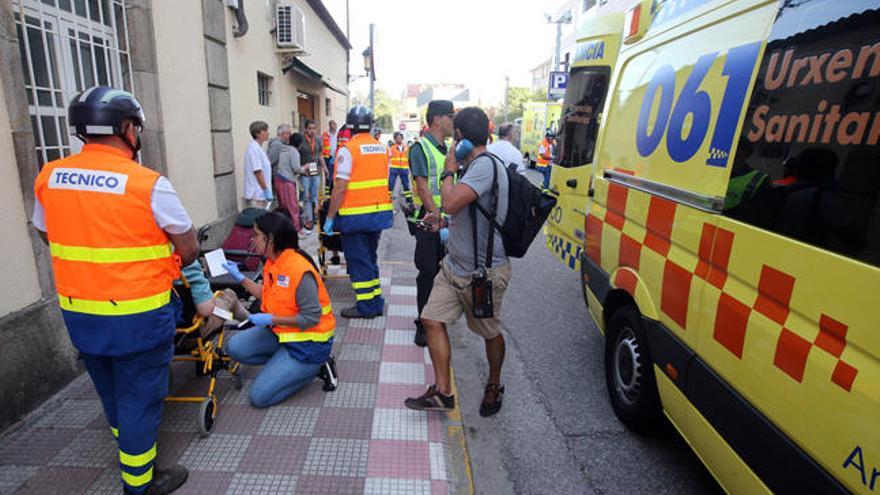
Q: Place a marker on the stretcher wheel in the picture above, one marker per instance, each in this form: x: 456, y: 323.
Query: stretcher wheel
x: 206, y: 417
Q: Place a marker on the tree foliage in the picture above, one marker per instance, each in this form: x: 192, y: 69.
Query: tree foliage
x: 386, y: 108
x: 516, y: 100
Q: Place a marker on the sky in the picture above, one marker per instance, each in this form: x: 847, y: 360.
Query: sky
x: 475, y: 42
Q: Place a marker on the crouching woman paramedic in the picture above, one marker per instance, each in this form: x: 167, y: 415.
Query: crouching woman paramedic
x: 293, y: 335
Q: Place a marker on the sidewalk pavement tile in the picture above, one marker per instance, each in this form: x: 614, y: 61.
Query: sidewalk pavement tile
x: 356, y: 439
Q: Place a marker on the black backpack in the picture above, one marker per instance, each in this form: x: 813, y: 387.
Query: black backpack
x: 527, y: 209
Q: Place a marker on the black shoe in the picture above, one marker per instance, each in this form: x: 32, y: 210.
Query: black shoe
x: 167, y: 480
x: 334, y: 260
x: 353, y: 312
x: 327, y: 372
x: 431, y: 400
x: 421, y: 338
x: 491, y: 399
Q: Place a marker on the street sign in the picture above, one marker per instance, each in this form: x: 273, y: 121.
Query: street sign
x: 558, y: 82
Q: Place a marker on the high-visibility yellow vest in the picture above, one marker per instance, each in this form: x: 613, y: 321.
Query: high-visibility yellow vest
x: 436, y: 161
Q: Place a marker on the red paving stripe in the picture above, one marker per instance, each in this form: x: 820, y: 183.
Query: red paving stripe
x: 792, y: 351
x: 661, y: 215
x: 403, y: 459
x: 436, y: 431
x: 403, y: 354
x: 400, y: 323
x: 392, y: 395
x: 774, y: 294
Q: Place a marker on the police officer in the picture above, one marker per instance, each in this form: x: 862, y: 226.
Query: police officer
x: 426, y: 160
x: 110, y: 224
x: 360, y: 197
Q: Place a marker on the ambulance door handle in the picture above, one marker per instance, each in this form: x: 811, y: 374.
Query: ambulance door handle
x: 591, y: 192
x: 572, y: 183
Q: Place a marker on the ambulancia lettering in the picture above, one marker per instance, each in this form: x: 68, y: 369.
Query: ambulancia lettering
x: 867, y: 473
x: 590, y: 51
x: 78, y: 179
x: 373, y: 149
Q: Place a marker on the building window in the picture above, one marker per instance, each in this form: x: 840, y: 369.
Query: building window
x: 263, y: 92
x: 587, y: 4
x: 328, y: 106
x: 65, y: 47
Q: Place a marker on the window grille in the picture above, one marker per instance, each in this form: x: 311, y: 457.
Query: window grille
x: 67, y: 46
x: 263, y: 91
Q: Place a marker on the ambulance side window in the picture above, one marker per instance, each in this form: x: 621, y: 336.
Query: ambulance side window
x: 581, y: 113
x: 807, y: 165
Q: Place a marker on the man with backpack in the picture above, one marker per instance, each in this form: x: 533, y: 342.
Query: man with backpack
x: 476, y: 271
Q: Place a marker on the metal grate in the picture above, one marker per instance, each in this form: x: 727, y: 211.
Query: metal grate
x: 65, y: 47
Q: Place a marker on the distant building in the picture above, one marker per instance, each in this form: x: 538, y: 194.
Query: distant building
x: 417, y: 96
x: 541, y: 75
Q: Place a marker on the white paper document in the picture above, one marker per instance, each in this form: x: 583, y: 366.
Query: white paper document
x: 215, y: 260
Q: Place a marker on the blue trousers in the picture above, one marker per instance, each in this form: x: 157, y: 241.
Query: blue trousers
x: 361, y: 255
x: 545, y: 171
x: 132, y: 388
x: 282, y: 376
x: 403, y: 175
x: 309, y: 196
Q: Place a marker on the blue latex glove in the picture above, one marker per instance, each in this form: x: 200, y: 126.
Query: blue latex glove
x: 233, y: 270
x: 261, y: 319
x: 444, y: 235
x: 328, y: 226
x: 267, y: 194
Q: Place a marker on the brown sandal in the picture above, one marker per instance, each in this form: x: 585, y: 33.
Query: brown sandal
x: 492, y: 397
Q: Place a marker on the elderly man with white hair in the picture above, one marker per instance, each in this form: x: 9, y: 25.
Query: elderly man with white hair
x: 277, y: 143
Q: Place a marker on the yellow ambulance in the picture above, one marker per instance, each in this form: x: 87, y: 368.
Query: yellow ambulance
x: 593, y: 61
x: 538, y: 118
x: 732, y: 254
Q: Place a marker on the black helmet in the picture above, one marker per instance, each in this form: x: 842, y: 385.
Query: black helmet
x: 397, y: 133
x: 359, y: 119
x: 101, y: 110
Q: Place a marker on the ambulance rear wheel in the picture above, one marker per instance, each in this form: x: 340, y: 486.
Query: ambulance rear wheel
x: 206, y: 417
x: 629, y: 371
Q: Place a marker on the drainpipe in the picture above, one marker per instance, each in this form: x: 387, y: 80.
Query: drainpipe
x: 241, y: 28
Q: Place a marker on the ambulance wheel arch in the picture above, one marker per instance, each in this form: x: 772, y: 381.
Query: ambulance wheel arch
x: 629, y: 369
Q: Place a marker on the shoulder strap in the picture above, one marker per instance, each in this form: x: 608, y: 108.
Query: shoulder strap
x: 475, y: 205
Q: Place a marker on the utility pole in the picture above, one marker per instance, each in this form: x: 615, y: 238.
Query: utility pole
x: 506, y: 96
x: 563, y: 19
x: 372, y: 73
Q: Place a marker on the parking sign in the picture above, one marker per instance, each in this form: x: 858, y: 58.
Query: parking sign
x: 558, y: 82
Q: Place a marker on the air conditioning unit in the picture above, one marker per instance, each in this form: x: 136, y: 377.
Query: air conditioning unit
x: 290, y: 28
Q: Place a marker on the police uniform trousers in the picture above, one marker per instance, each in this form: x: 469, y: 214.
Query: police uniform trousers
x: 132, y: 388
x: 428, y: 255
x: 362, y: 258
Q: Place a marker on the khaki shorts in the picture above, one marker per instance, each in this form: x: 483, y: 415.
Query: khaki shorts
x: 451, y: 296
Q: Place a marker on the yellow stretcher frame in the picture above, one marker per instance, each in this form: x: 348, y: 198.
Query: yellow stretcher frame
x: 322, y: 250
x: 208, y: 351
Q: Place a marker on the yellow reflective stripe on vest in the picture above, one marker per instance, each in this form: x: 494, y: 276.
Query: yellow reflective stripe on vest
x: 326, y: 310
x: 367, y: 184
x: 360, y: 210
x: 115, y: 308
x: 114, y: 431
x: 109, y: 255
x: 284, y: 337
x: 366, y: 284
x: 368, y: 295
x: 138, y: 480
x: 138, y: 460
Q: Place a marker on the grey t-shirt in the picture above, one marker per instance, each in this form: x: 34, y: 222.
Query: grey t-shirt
x: 460, y: 245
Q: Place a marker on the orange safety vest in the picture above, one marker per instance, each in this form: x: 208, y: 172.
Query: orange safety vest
x: 281, y: 277
x: 109, y: 256
x: 367, y: 190
x: 399, y: 156
x: 325, y: 142
x: 542, y: 160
